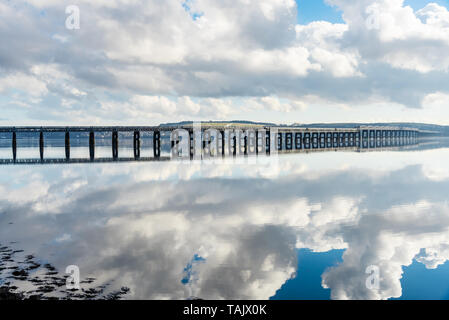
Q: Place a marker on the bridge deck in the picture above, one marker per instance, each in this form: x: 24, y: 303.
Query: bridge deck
x: 187, y: 127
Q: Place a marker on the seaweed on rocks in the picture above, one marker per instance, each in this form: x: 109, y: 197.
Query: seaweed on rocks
x: 44, y: 282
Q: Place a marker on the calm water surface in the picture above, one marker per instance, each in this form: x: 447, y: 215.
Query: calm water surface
x: 300, y: 226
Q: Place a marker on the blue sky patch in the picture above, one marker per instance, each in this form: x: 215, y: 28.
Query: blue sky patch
x: 420, y: 283
x: 187, y: 7
x: 317, y: 10
x: 307, y: 283
x: 419, y: 4
x: 189, y: 272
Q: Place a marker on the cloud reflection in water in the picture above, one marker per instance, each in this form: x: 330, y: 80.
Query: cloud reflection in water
x: 234, y: 228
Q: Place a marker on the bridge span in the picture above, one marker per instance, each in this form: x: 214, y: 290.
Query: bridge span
x: 219, y: 140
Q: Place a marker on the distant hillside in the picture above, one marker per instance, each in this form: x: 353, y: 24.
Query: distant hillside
x: 187, y: 123
x: 443, y: 130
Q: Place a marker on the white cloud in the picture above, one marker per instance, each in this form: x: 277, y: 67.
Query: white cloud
x: 388, y: 31
x: 390, y: 241
x: 23, y: 82
x: 215, y: 52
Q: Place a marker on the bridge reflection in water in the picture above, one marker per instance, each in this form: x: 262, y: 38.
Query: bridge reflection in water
x: 197, y: 142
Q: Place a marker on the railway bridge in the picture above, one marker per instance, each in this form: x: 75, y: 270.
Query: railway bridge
x: 222, y: 140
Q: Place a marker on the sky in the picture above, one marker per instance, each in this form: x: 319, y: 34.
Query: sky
x: 282, y: 61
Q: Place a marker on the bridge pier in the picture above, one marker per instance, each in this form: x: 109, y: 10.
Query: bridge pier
x: 114, y: 144
x: 322, y: 140
x: 365, y: 134
x: 341, y: 139
x: 307, y: 140
x: 259, y: 143
x: 191, y: 144
x: 240, y: 142
x: 268, y: 141
x: 298, y: 140
x: 251, y: 136
x: 334, y: 139
x: 157, y: 144
x: 92, y: 145
x: 364, y: 140
x: 14, y: 146
x: 41, y: 144
x: 211, y: 147
x: 279, y: 141
x: 328, y: 140
x: 67, y: 145
x: 205, y: 143
x: 245, y: 145
x: 136, y: 144
x: 223, y: 143
x: 314, y: 140
x: 289, y: 141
